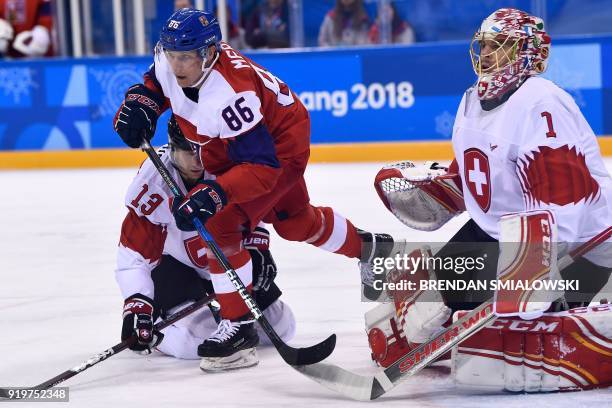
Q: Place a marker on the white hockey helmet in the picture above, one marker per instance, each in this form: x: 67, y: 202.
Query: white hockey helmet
x: 509, y: 46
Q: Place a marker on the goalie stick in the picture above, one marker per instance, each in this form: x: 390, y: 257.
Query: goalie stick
x: 292, y: 356
x: 369, y: 387
x: 117, y: 348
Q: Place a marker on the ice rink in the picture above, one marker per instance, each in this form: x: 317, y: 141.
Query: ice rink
x: 59, y: 303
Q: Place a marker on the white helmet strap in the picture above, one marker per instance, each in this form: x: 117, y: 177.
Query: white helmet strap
x: 206, y: 70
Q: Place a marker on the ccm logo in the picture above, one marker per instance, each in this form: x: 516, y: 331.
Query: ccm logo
x: 532, y: 326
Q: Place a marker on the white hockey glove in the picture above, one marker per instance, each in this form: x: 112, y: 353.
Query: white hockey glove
x: 33, y: 43
x: 6, y: 35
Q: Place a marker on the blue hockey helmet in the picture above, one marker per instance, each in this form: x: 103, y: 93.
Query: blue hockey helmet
x: 189, y: 29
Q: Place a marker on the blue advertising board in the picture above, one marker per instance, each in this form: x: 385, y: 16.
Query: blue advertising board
x: 354, y: 95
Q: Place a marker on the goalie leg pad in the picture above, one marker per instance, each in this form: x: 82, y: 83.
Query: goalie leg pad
x: 527, y: 254
x: 563, y: 351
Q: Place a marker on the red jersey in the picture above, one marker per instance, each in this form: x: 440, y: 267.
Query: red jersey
x: 247, y: 121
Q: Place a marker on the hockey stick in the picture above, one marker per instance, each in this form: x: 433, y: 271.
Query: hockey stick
x: 365, y: 388
x: 117, y: 348
x: 293, y: 356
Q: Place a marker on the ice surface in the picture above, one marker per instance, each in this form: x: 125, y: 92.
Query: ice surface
x: 59, y: 303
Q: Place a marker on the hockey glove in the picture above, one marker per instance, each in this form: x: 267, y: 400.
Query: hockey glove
x: 138, y: 321
x: 6, y: 35
x: 264, y: 268
x: 33, y: 43
x: 137, y: 116
x: 203, y: 201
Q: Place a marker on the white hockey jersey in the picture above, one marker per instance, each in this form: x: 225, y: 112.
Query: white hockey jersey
x: 149, y: 231
x: 535, y: 151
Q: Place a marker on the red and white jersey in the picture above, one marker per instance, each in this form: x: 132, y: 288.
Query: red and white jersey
x: 535, y: 151
x: 149, y: 231
x: 246, y: 120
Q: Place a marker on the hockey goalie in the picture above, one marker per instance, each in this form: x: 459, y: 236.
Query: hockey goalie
x: 529, y: 174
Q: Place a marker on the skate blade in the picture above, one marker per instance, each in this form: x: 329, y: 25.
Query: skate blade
x: 241, y: 359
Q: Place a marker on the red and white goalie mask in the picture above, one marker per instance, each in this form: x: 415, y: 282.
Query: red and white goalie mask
x: 509, y: 46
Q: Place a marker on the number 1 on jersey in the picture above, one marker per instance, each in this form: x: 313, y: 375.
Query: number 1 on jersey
x: 551, y: 132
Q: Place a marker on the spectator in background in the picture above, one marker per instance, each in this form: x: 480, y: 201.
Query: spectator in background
x: 401, y: 31
x: 268, y: 25
x: 346, y: 24
x: 235, y: 34
x: 25, y: 28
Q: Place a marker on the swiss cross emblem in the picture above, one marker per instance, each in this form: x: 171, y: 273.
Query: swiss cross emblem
x: 482, y: 88
x: 477, y: 177
x: 197, y: 251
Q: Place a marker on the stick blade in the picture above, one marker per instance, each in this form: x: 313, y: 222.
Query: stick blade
x: 308, y: 355
x: 351, y: 385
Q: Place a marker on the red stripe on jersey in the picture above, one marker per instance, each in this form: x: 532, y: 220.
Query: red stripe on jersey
x: 557, y: 176
x: 140, y: 235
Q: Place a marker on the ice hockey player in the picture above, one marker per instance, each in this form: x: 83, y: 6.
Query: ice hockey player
x: 253, y: 134
x: 161, y: 269
x: 528, y: 170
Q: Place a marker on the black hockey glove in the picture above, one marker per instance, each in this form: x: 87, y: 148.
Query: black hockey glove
x: 204, y: 200
x: 138, y: 321
x: 264, y: 268
x: 137, y: 116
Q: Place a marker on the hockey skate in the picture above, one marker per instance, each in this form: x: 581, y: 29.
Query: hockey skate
x: 231, y: 346
x: 376, y: 246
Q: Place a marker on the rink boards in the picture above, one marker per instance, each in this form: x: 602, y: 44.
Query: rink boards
x: 366, y: 104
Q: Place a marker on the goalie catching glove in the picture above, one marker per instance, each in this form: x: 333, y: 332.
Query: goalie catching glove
x: 138, y: 321
x: 423, y: 197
